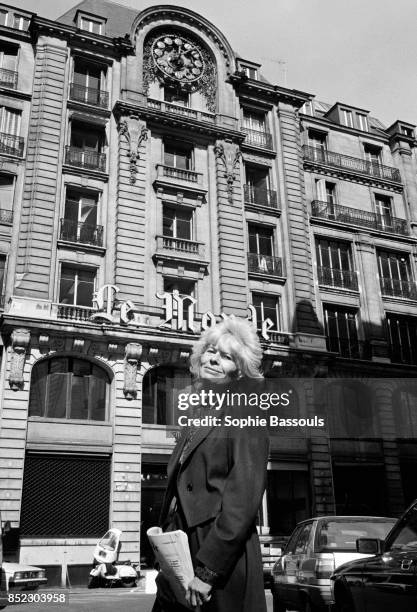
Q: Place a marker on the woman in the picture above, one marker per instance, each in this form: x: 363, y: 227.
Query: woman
x: 216, y: 479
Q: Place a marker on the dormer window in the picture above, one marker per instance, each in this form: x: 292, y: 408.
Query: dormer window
x: 362, y: 122
x: 90, y: 23
x: 250, y: 69
x: 250, y: 72
x: 347, y: 118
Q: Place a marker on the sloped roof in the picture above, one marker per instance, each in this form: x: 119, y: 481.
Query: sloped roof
x: 119, y: 18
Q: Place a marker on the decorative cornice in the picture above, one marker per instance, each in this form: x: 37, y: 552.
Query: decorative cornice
x: 350, y: 175
x: 273, y: 93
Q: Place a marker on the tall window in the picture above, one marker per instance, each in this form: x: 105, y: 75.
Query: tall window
x: 334, y: 264
x: 317, y: 142
x: 80, y: 218
x: 2, y: 277
x: 76, y: 286
x: 257, y: 180
x: 374, y: 157
x: 267, y: 307
x: 20, y: 22
x: 177, y: 155
x: 402, y: 338
x: 87, y: 138
x: 89, y: 82
x: 261, y: 250
x: 383, y: 207
x: 250, y: 71
x: 9, y: 121
x: 253, y: 120
x: 176, y: 95
x: 8, y: 66
x: 69, y: 388
x: 347, y: 118
x: 183, y: 286
x: 6, y: 193
x: 177, y: 222
x: 326, y: 196
x: 395, y: 274
x: 341, y: 330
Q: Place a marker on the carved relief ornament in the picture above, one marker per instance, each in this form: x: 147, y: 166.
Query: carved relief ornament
x: 133, y: 354
x: 20, y: 342
x: 135, y: 133
x: 230, y: 158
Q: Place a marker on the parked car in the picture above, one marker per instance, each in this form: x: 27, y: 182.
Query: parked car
x: 387, y: 581
x: 301, y: 576
x: 16, y: 576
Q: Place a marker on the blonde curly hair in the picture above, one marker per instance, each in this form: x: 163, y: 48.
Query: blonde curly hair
x: 235, y: 336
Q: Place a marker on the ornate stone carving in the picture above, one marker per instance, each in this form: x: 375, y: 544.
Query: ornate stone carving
x: 44, y: 343
x: 185, y: 64
x: 78, y: 345
x: 20, y: 342
x: 135, y: 133
x: 230, y: 158
x: 133, y: 354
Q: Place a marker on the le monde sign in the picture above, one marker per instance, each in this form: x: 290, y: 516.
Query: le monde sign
x: 179, y: 312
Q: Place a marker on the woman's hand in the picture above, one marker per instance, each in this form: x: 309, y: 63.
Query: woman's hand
x: 164, y: 593
x: 198, y: 592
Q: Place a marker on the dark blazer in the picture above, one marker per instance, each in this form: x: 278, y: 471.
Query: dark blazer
x: 219, y: 485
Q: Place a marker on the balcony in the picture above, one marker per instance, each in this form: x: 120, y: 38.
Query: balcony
x: 89, y: 160
x: 351, y: 164
x: 8, y: 78
x: 83, y: 233
x: 89, y: 95
x: 179, y: 245
x: 258, y: 138
x: 333, y: 277
x: 260, y: 196
x: 74, y: 313
x: 354, y: 216
x: 264, y: 264
x: 398, y: 288
x: 178, y: 174
x: 11, y: 145
x: 181, y: 111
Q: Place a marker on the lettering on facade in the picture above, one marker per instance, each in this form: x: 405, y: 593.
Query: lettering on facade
x: 179, y: 313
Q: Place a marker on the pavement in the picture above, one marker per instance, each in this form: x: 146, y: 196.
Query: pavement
x: 81, y: 599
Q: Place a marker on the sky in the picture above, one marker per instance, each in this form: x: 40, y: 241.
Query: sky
x: 359, y: 52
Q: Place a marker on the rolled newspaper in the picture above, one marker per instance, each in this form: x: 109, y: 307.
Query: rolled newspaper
x: 172, y: 552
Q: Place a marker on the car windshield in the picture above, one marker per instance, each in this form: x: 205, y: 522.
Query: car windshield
x: 405, y: 537
x: 341, y: 535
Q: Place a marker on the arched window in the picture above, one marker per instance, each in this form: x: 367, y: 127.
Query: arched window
x: 161, y: 386
x: 69, y: 388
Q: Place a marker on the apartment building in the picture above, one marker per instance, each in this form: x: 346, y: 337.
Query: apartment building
x: 151, y: 179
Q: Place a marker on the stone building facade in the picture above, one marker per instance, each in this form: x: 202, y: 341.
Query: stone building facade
x: 150, y: 180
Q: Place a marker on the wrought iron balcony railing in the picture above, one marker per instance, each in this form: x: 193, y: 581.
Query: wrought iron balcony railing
x: 89, y: 95
x: 8, y: 78
x: 354, y: 216
x: 11, y: 145
x: 260, y: 196
x: 90, y: 160
x: 180, y: 110
x: 83, y: 233
x: 71, y: 312
x: 392, y: 287
x: 179, y: 245
x: 264, y: 264
x: 178, y: 173
x: 333, y: 277
x: 351, y: 164
x: 6, y: 216
x: 258, y: 138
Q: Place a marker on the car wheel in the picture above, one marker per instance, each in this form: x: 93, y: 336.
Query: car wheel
x: 278, y: 606
x: 128, y: 584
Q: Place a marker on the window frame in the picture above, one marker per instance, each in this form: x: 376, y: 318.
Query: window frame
x: 91, y: 20
x: 178, y: 209
x: 179, y: 146
x: 347, y: 117
x: 75, y: 266
x: 278, y: 309
x: 337, y: 308
x: 271, y: 230
x: 362, y: 122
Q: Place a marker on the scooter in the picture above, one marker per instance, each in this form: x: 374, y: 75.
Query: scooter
x: 107, y: 570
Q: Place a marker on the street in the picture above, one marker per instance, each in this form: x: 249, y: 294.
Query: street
x: 102, y: 600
